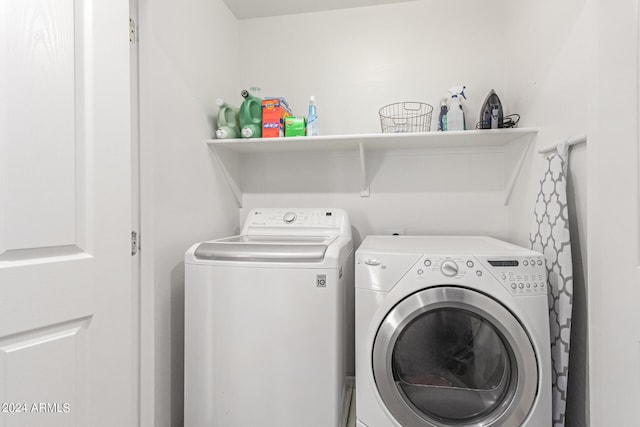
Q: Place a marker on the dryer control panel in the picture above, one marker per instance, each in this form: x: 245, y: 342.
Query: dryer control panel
x: 522, y: 275
x: 456, y: 269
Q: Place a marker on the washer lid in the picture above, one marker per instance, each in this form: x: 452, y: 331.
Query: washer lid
x: 266, y: 249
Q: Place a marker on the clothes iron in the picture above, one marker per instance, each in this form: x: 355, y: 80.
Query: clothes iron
x: 491, y: 114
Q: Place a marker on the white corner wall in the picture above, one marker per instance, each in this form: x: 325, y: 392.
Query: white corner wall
x: 189, y: 58
x: 355, y: 61
x: 362, y: 59
x: 549, y: 83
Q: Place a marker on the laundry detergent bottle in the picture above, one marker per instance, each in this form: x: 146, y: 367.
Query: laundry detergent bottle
x: 455, y: 115
x: 251, y: 116
x: 228, y: 121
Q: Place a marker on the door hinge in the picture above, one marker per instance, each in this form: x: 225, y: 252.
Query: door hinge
x: 132, y: 31
x: 134, y: 243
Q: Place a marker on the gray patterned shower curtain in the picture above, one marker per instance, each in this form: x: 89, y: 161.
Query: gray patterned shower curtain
x: 550, y: 235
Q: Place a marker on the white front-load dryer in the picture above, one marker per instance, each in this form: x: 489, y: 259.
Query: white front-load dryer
x: 451, y: 331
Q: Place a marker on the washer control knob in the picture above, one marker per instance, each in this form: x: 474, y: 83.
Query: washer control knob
x: 449, y: 268
x: 427, y: 263
x: 289, y: 217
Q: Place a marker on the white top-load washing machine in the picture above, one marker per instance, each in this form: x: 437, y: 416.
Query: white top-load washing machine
x: 267, y: 322
x: 451, y: 331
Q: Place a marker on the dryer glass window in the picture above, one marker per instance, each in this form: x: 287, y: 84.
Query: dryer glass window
x: 453, y: 366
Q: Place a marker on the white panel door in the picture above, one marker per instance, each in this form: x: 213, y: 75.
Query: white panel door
x: 65, y: 200
x: 613, y: 218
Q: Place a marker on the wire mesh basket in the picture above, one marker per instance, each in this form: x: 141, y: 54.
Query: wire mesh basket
x: 405, y: 117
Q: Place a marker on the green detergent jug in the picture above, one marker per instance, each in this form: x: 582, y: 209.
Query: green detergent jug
x: 251, y: 116
x: 228, y: 121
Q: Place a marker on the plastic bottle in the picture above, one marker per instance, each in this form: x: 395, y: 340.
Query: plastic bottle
x: 228, y: 121
x: 251, y: 116
x: 312, y: 118
x: 442, y: 118
x: 455, y: 116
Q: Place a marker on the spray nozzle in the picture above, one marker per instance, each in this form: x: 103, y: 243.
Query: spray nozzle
x: 457, y: 90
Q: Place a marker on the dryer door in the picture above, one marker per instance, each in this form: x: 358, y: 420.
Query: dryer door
x: 451, y: 356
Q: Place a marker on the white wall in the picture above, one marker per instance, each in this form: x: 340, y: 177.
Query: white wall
x: 363, y: 59
x: 614, y: 216
x: 188, y: 59
x: 412, y: 192
x: 355, y: 61
x: 549, y: 82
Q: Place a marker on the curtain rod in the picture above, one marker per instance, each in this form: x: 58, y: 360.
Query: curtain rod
x: 580, y: 139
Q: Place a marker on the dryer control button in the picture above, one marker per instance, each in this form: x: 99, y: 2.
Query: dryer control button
x: 289, y: 217
x: 427, y: 263
x: 514, y: 286
x: 449, y: 268
x: 470, y: 264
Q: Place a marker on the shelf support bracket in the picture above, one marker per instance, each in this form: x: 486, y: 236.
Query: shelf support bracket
x: 364, y: 186
x: 235, y: 190
x: 513, y: 178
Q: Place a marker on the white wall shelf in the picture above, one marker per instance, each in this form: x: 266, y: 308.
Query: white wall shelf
x: 516, y: 141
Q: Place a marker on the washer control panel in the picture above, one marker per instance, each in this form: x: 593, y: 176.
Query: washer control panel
x: 289, y: 217
x: 297, y: 222
x: 294, y: 217
x: 521, y: 276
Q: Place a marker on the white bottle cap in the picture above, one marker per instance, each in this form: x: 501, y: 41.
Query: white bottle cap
x: 312, y: 99
x: 219, y: 102
x: 247, y: 132
x: 221, y: 134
